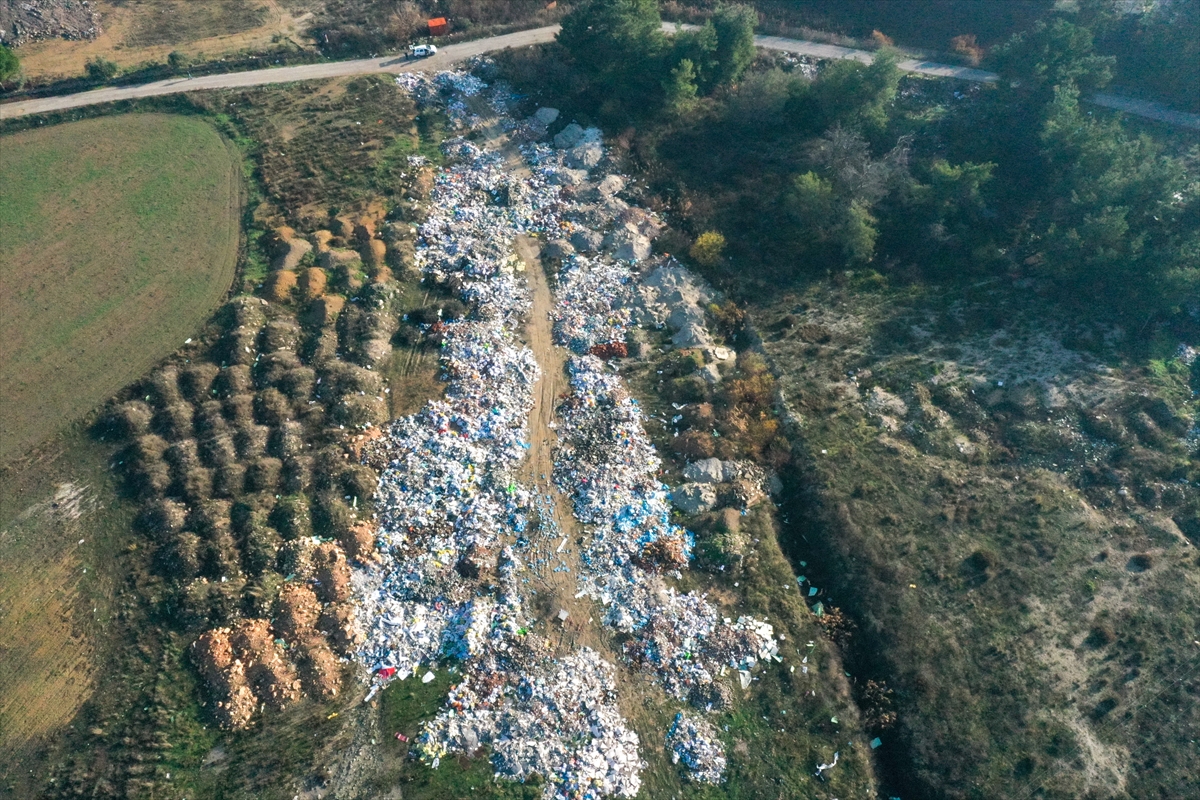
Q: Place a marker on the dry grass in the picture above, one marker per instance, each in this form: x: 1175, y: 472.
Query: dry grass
x: 119, y: 238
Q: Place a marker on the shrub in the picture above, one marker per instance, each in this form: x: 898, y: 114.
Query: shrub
x: 240, y: 409
x: 151, y: 479
x: 183, y: 455
x: 297, y: 383
x: 259, y: 549
x: 130, y: 419
x: 229, y: 480
x: 219, y: 450
x: 164, y: 387
x: 359, y: 481
x: 220, y: 557
x: 272, y: 366
x: 234, y: 380
x: 196, y: 381
x: 263, y: 475
x: 966, y: 46
x: 281, y: 334
x: 292, y: 517
x: 262, y: 593
x: 708, y: 249
x: 287, y: 441
x: 180, y: 557
x: 162, y: 519
x: 251, y: 441
x: 210, y: 418
x: 339, y: 378
x: 331, y: 517
x: 695, y: 444
x: 101, y: 69
x: 271, y: 407
x: 196, y: 485
x: 175, y: 421
x: 297, y: 474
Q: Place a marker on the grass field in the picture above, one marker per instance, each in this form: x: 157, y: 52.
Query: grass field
x: 119, y: 237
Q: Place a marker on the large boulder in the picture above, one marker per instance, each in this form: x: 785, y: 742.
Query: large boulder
x: 610, y: 185
x: 684, y: 314
x: 707, y: 470
x: 585, y: 156
x: 568, y: 177
x: 691, y: 336
x: 546, y: 116
x: 569, y: 136
x: 694, y: 498
x: 586, y: 241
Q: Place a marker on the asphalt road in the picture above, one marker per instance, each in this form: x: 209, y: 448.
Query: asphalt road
x: 452, y: 53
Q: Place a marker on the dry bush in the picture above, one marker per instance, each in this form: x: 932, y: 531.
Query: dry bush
x: 881, y: 39
x: 966, y: 46
x: 234, y: 380
x: 340, y: 378
x: 164, y: 387
x: 260, y: 549
x: 240, y: 409
x: 273, y: 366
x: 279, y: 286
x: 220, y: 558
x: 175, y: 421
x: 281, y: 334
x: 359, y: 481
x: 292, y: 517
x: 323, y: 348
x: 196, y: 485
x: 287, y: 441
x: 229, y: 480
x: 262, y: 475
x: 271, y: 407
x: 360, y: 411
x: 162, y: 519
x: 179, y: 558
x: 182, y: 456
x: 210, y: 418
x: 131, y: 419
x: 297, y: 383
x: 337, y: 622
x: 151, y: 479
x: 695, y: 444
x: 320, y: 670
x: 297, y: 474
x: 219, y: 450
x: 296, y: 612
x: 251, y: 441
x: 196, y: 381
x: 211, y: 518
x: 312, y: 283
x: 332, y: 573
x: 148, y: 447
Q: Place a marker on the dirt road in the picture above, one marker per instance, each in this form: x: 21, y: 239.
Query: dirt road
x: 457, y: 52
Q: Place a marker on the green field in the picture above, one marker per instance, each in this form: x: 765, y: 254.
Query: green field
x: 118, y: 237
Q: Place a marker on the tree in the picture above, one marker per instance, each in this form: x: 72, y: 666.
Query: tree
x: 850, y: 94
x: 1055, y: 53
x: 101, y: 69
x: 699, y: 47
x: 619, y: 44
x: 10, y: 65
x: 734, y: 26
x: 680, y: 87
x: 177, y: 61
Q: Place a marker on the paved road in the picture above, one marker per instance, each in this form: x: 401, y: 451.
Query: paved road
x: 457, y: 52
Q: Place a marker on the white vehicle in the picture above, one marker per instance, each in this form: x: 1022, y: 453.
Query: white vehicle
x: 422, y: 50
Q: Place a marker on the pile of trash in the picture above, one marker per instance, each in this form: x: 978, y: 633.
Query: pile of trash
x: 694, y: 742
x: 561, y: 723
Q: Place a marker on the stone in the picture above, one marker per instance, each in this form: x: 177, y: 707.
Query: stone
x: 585, y: 156
x: 710, y: 373
x: 569, y: 177
x: 718, y: 354
x: 545, y: 115
x: 691, y: 336
x: 610, y: 185
x: 586, y: 241
x: 568, y: 137
x: 684, y: 314
x: 558, y: 248
x: 707, y: 470
x: 694, y: 498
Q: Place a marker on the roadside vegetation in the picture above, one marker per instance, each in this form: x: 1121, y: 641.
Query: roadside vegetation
x: 106, y: 221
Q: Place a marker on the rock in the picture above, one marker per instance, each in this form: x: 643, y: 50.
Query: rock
x: 694, y: 498
x: 569, y: 177
x: 882, y: 402
x: 290, y: 254
x: 568, y: 137
x: 710, y: 374
x: 585, y: 156
x: 558, y: 248
x: 611, y: 185
x: 545, y: 115
x: 731, y: 470
x: 635, y: 249
x: 718, y: 354
x: 691, y: 336
x: 707, y: 470
x: 586, y: 241
x: 684, y: 314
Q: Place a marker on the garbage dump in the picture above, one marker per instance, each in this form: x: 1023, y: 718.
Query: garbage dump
x: 694, y: 743
x: 463, y: 545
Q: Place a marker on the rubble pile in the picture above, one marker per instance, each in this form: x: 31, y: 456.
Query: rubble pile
x: 694, y: 742
x: 561, y: 723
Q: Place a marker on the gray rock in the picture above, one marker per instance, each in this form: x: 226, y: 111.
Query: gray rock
x: 569, y: 177
x: 586, y: 241
x: 710, y: 373
x: 694, y: 498
x: 684, y: 314
x: 691, y: 336
x: 545, y: 115
x: 585, y: 156
x: 568, y: 137
x: 611, y: 185
x: 558, y: 248
x: 706, y: 470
